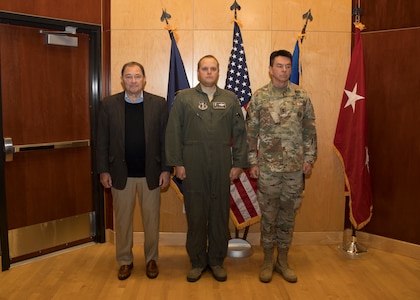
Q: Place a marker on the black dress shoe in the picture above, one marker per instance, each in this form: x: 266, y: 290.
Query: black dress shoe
x: 152, y: 270
x: 125, y: 271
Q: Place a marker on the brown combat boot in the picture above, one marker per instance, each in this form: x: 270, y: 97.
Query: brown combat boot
x: 266, y: 271
x: 282, y: 266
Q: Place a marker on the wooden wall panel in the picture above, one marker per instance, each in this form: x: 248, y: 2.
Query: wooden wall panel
x: 145, y: 15
x: 267, y: 25
x: 106, y: 90
x: 391, y: 46
x: 254, y: 15
x: 328, y: 16
x: 390, y: 14
x: 74, y: 10
x: 392, y: 77
x: 106, y: 46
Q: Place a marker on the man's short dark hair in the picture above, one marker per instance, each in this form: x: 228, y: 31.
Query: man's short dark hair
x: 132, y: 64
x: 284, y: 53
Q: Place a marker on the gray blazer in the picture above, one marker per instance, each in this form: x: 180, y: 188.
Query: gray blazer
x: 110, y: 151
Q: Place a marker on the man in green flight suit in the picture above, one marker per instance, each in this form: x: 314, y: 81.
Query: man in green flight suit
x: 206, y: 142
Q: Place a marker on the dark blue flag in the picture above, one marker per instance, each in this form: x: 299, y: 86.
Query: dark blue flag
x: 237, y: 79
x: 177, y: 76
x: 177, y: 81
x: 295, y: 65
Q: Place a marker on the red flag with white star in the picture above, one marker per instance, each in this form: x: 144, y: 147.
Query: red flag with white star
x: 350, y: 139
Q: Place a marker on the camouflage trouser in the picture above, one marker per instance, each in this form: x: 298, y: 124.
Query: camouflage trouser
x: 279, y: 197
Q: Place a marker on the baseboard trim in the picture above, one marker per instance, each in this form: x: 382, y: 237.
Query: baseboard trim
x: 299, y: 238
x: 388, y: 245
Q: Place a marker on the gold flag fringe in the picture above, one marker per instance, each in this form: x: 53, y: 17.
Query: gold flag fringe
x: 172, y: 29
x: 237, y: 22
x: 177, y: 191
x: 348, y: 193
x: 247, y: 223
x: 359, y: 25
x: 300, y: 39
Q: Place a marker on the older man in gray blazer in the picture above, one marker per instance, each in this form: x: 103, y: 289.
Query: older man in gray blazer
x: 131, y: 160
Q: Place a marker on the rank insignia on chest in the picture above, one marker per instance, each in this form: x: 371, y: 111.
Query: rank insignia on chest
x: 202, y: 105
x: 219, y: 105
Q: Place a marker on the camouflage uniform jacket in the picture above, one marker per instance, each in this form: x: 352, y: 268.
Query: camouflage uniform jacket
x: 281, y: 129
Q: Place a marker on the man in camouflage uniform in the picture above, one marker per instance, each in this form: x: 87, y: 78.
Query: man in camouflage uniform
x: 282, y: 145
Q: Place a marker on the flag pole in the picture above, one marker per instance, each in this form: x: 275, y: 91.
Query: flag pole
x: 239, y: 247
x: 296, y: 76
x: 353, y: 246
x: 178, y: 79
x: 308, y: 17
x: 235, y: 6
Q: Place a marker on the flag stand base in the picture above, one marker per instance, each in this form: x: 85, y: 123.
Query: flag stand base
x: 239, y: 247
x: 353, y: 247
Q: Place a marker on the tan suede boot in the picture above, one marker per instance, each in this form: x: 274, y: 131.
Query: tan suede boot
x: 266, y: 271
x: 282, y: 266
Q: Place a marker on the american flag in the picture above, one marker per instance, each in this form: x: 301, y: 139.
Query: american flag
x: 244, y: 208
x: 237, y: 79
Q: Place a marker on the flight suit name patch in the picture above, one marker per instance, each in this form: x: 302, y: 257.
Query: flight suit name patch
x: 219, y: 105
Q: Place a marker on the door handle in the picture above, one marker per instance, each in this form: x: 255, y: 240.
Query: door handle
x: 9, y: 149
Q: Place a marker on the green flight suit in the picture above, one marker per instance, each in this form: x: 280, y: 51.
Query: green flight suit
x: 208, y: 139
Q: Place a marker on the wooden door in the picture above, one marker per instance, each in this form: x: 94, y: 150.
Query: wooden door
x: 46, y: 120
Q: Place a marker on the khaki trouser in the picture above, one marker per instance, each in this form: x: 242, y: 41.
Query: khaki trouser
x: 124, y: 203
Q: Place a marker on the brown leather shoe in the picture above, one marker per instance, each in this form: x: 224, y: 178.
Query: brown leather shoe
x: 125, y: 271
x: 152, y: 270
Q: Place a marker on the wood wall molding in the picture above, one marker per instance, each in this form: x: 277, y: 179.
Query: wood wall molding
x: 74, y: 10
